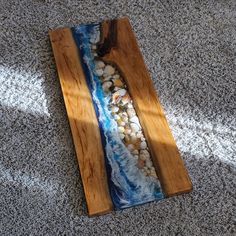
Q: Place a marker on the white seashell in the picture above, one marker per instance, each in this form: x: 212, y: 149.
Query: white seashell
x: 106, y: 86
x: 143, y: 145
x: 116, y: 76
x: 121, y: 92
x: 139, y: 135
x: 125, y: 99
x: 99, y: 72
x: 145, y: 152
x: 125, y: 119
x: 130, y: 147
x: 132, y: 134
x: 143, y: 139
x: 109, y: 70
x: 135, y: 120
x: 121, y: 129
x: 122, y: 123
x: 148, y: 163
x: 134, y: 127
x: 122, y: 136
x: 131, y: 112
x: 115, y: 109
x: 116, y: 117
x: 130, y: 105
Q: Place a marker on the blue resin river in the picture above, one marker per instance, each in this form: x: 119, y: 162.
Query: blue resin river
x: 128, y: 185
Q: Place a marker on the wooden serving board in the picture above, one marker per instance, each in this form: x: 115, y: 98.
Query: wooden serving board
x: 121, y: 136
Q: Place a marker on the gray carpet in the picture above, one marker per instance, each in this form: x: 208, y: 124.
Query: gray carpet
x: 190, y: 49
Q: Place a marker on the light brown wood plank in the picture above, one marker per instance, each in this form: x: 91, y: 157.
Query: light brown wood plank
x: 83, y: 122
x: 124, y: 53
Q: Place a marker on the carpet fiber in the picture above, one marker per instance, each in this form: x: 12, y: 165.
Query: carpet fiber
x: 190, y: 50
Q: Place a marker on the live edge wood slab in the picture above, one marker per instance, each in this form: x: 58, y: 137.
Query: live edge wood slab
x: 118, y: 46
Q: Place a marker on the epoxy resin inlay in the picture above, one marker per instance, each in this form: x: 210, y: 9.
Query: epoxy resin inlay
x: 132, y: 177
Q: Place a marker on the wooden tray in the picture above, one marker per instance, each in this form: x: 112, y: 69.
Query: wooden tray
x: 126, y: 152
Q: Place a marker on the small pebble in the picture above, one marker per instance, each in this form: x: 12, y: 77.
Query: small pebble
x: 106, y: 86
x: 130, y: 147
x: 109, y: 70
x: 99, y: 72
x: 99, y: 64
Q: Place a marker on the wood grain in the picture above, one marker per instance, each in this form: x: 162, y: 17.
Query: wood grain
x: 83, y: 122
x: 118, y: 45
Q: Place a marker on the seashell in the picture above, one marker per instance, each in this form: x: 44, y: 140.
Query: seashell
x: 143, y: 145
x: 118, y: 82
x: 135, y: 152
x: 131, y: 112
x: 148, y: 163
x: 99, y: 64
x: 143, y: 139
x: 134, y: 139
x: 130, y: 106
x: 106, y: 86
x: 125, y: 99
x: 122, y: 136
x: 135, y: 128
x: 94, y: 46
x: 142, y: 157
x: 116, y: 76
x: 115, y: 109
x: 125, y: 119
x: 116, y: 117
x: 121, y: 129
x: 130, y: 147
x: 145, y: 152
x: 135, y: 120
x: 128, y: 131
x: 139, y: 135
x: 141, y: 164
x: 99, y: 72
x: 121, y: 123
x: 109, y: 70
x: 121, y: 92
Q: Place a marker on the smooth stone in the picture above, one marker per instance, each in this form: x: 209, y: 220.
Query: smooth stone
x: 109, y: 70
x: 134, y: 127
x: 115, y: 109
x: 135, y: 120
x: 106, y: 86
x: 143, y: 145
x: 131, y: 112
x: 99, y: 72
